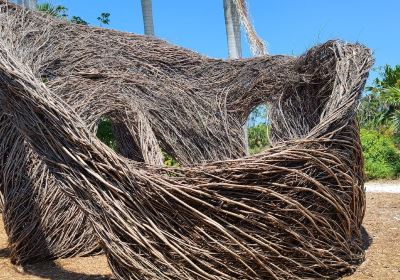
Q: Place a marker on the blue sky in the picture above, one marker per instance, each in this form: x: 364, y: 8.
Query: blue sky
x: 288, y: 26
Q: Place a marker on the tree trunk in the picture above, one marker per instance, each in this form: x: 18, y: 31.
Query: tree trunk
x: 233, y: 35
x: 147, y: 12
x: 232, y: 24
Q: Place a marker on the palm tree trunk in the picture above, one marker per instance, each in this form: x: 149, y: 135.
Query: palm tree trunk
x: 29, y: 4
x: 147, y: 11
x: 233, y: 36
x: 232, y: 24
x: 257, y: 46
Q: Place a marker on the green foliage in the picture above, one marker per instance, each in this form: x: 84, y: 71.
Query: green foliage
x: 381, y: 108
x: 169, y: 160
x: 55, y: 11
x: 379, y: 116
x: 78, y: 20
x: 258, y: 129
x: 104, y: 18
x: 62, y: 12
x: 390, y: 77
x: 382, y: 158
x: 105, y: 133
x: 258, y: 138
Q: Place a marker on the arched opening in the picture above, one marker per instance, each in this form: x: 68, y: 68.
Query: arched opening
x: 116, y: 134
x: 258, y: 129
x: 169, y: 161
x: 105, y: 133
x: 118, y: 137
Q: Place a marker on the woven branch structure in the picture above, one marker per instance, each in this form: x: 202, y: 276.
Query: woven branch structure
x: 293, y: 211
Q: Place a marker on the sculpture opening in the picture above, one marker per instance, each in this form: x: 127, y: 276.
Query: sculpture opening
x: 258, y: 129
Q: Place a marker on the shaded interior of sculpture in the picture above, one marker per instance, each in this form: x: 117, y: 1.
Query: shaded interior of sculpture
x: 293, y: 211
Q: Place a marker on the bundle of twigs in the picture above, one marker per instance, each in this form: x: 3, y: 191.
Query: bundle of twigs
x: 293, y: 211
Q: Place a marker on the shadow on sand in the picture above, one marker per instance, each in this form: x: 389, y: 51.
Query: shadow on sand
x: 366, y: 238
x: 51, y: 270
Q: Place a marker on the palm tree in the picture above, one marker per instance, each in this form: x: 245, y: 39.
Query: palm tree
x: 232, y: 25
x: 235, y: 12
x: 147, y: 11
x: 29, y: 4
x: 382, y: 106
x: 233, y: 37
x: 391, y: 98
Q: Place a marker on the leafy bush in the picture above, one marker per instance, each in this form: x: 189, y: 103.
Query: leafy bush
x: 258, y: 138
x: 382, y: 158
x: 169, y: 160
x: 105, y: 133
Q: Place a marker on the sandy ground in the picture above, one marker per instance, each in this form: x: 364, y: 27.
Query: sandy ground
x: 382, y: 223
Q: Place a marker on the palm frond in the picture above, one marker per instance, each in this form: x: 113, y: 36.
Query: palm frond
x: 396, y: 121
x: 52, y: 10
x: 391, y: 96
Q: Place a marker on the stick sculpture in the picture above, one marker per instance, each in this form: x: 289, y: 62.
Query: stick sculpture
x: 293, y: 211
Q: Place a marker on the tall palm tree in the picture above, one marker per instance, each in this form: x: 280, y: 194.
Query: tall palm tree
x: 147, y: 12
x: 29, y: 4
x: 232, y: 25
x: 236, y: 13
x: 233, y: 37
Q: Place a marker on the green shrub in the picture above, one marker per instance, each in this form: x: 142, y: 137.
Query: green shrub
x: 169, y: 160
x: 258, y: 138
x: 382, y: 158
x: 105, y: 133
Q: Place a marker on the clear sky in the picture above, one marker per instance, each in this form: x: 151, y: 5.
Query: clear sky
x: 288, y: 26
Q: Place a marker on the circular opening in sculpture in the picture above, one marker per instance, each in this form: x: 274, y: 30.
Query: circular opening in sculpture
x: 105, y: 132
x: 258, y: 128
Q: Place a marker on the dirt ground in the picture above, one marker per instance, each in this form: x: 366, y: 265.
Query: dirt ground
x: 382, y: 223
